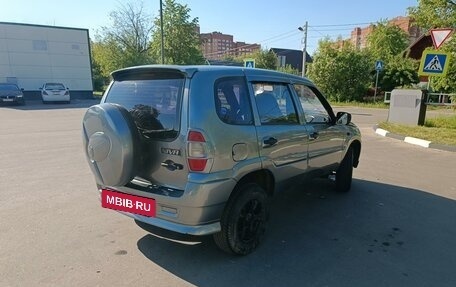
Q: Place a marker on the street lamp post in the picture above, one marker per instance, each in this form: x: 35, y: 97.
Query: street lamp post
x: 161, y: 30
x: 304, y: 48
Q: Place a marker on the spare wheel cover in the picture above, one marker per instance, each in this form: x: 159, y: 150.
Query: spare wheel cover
x: 109, y: 143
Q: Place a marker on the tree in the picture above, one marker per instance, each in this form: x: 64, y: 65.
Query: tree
x: 264, y: 59
x: 126, y: 42
x: 99, y: 81
x: 400, y: 72
x: 181, y: 38
x: 341, y: 73
x: 434, y: 14
x: 386, y: 41
x: 288, y: 69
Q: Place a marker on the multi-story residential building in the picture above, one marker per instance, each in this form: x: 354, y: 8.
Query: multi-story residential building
x: 217, y: 45
x: 359, y: 35
x: 242, y: 48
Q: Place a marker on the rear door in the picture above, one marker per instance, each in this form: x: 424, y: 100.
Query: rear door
x: 282, y: 138
x: 153, y: 99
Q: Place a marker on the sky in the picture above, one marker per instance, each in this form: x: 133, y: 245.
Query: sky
x: 272, y: 24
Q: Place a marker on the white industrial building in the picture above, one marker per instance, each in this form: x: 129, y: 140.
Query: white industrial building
x: 31, y: 55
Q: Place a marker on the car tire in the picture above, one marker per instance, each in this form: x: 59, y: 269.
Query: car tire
x: 111, y: 144
x: 244, y: 220
x: 344, y: 173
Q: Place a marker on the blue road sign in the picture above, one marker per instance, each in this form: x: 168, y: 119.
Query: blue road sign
x: 434, y: 63
x: 249, y: 63
x: 379, y: 65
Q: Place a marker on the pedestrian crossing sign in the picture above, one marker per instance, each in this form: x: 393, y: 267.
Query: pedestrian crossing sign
x: 249, y: 63
x: 434, y: 63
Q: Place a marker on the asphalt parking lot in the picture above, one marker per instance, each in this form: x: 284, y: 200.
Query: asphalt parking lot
x: 396, y: 227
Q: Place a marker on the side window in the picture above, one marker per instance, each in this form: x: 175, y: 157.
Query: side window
x: 232, y: 101
x: 314, y: 110
x: 275, y: 104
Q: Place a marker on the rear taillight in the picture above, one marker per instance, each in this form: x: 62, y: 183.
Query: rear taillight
x: 67, y: 93
x: 45, y: 93
x: 197, y: 151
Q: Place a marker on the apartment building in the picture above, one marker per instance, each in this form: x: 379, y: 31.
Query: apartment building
x: 216, y: 46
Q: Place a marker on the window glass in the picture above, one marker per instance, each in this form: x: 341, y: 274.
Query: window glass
x: 54, y: 86
x: 153, y: 104
x: 314, y: 110
x: 274, y: 103
x: 232, y: 101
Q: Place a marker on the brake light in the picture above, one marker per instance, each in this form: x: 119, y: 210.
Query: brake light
x: 67, y: 93
x: 45, y: 93
x: 197, y: 151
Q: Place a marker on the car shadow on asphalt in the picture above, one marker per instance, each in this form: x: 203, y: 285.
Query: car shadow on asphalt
x: 377, y: 234
x: 38, y: 105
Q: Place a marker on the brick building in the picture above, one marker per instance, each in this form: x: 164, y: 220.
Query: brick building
x: 217, y: 45
x: 359, y: 35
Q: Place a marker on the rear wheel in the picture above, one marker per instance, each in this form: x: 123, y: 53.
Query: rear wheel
x: 244, y: 220
x: 344, y: 173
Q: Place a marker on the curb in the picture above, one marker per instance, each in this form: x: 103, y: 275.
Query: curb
x: 414, y: 141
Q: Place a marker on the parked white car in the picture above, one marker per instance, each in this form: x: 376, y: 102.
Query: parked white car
x: 55, y: 92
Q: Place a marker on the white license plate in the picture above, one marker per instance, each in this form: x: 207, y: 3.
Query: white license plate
x: 7, y: 100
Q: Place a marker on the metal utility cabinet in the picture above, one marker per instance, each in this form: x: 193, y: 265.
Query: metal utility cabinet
x: 407, y: 106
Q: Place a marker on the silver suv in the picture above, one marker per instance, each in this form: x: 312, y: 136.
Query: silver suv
x: 200, y: 150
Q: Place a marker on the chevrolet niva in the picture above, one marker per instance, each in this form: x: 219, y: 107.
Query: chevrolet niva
x: 200, y: 150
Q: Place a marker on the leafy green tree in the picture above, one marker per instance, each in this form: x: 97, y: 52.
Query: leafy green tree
x: 288, y: 69
x: 264, y: 59
x: 400, y: 72
x: 434, y: 13
x: 99, y: 81
x: 181, y: 38
x: 341, y: 73
x: 126, y: 42
x: 386, y: 41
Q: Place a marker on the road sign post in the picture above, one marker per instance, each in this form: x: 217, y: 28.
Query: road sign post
x: 378, y: 67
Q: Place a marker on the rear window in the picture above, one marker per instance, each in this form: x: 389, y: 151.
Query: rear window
x: 153, y: 104
x: 54, y: 87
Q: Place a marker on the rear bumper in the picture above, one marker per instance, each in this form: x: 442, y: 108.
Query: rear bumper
x: 204, y: 229
x: 197, y: 211
x: 15, y: 100
x: 55, y: 98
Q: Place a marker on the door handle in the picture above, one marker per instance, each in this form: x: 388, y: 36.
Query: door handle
x: 313, y: 136
x: 269, y: 142
x: 172, y: 166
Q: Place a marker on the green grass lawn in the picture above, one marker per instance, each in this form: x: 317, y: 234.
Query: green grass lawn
x: 377, y: 105
x: 440, y: 130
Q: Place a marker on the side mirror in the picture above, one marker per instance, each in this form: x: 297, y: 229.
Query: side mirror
x: 343, y: 118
